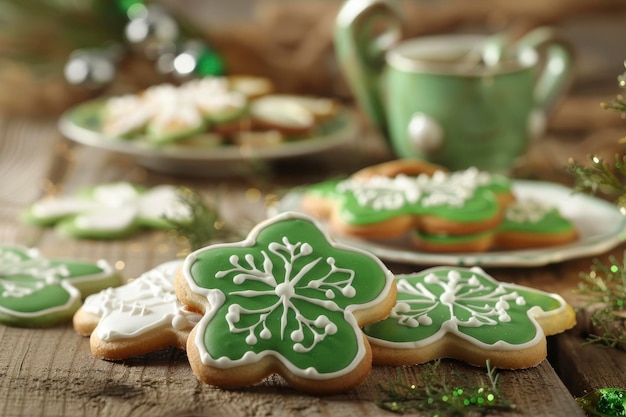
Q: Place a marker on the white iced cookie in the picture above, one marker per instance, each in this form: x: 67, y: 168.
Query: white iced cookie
x: 282, y: 113
x: 137, y: 318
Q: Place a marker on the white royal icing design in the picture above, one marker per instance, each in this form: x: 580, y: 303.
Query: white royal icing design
x: 484, y: 308
x: 442, y: 188
x: 43, y: 273
x: 285, y: 289
x: 527, y: 211
x: 167, y: 108
x: 11, y: 264
x: 143, y: 305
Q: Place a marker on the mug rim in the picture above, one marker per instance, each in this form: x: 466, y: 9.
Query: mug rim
x: 402, y: 56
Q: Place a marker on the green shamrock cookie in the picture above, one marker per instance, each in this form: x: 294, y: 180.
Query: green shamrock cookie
x: 109, y: 211
x: 286, y: 300
x: 35, y: 291
x: 466, y: 314
x: 387, y: 207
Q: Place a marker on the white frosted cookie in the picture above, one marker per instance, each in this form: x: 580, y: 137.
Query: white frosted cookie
x: 461, y: 313
x: 139, y: 317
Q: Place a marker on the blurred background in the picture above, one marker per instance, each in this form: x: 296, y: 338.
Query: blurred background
x: 289, y: 41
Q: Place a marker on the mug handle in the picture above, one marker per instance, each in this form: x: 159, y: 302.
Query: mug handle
x: 364, y: 31
x: 555, y: 75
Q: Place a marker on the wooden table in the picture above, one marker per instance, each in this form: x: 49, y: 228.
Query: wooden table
x: 51, y: 372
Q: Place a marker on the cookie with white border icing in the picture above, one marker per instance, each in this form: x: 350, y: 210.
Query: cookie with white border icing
x: 110, y: 211
x: 450, y: 312
x: 139, y: 317
x: 527, y: 224
x: 380, y: 207
x: 37, y: 292
x: 287, y: 300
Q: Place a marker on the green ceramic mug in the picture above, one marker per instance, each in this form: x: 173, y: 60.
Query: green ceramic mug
x: 456, y: 100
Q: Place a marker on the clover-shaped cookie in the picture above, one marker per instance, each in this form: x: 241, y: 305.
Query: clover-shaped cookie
x: 527, y: 224
x: 286, y: 300
x: 136, y: 318
x: 375, y: 207
x: 37, y: 292
x: 466, y: 314
x: 109, y: 211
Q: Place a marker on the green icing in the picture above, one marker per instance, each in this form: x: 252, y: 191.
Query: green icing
x: 536, y: 220
x: 465, y: 196
x: 37, y: 291
x: 465, y: 302
x: 289, y: 293
x: 550, y: 222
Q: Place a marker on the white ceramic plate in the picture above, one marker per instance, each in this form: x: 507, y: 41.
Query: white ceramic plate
x: 82, y: 124
x: 600, y: 225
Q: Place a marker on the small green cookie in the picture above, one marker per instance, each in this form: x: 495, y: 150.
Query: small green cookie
x: 461, y: 313
x: 37, y: 292
x: 110, y: 211
x: 527, y: 224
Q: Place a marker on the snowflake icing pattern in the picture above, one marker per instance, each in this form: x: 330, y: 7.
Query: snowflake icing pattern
x: 462, y: 296
x: 287, y: 292
x: 466, y: 302
x: 15, y: 262
x: 32, y: 287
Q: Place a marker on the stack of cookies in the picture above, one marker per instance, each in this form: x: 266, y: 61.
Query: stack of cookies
x: 208, y: 112
x: 440, y: 211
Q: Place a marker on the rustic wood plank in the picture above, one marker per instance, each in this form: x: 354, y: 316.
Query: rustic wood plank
x: 585, y: 368
x: 51, y: 372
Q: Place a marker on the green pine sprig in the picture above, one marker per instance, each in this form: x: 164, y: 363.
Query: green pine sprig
x: 619, y: 105
x: 604, y: 288
x: 440, y: 398
x: 205, y: 225
x: 601, y: 176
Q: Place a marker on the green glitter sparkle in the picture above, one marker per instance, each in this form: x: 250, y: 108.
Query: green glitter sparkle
x: 604, y: 402
x: 438, y: 398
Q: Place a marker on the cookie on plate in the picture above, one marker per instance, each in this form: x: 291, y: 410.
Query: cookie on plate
x: 527, y: 224
x: 110, y: 211
x: 139, y: 317
x: 287, y: 300
x: 37, y: 292
x: 465, y: 314
x: 382, y: 207
x: 291, y: 115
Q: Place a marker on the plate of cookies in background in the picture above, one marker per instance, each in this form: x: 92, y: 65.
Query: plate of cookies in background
x: 415, y: 213
x: 202, y: 125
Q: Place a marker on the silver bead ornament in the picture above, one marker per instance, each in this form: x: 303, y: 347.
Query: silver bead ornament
x: 153, y: 31
x: 92, y: 68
